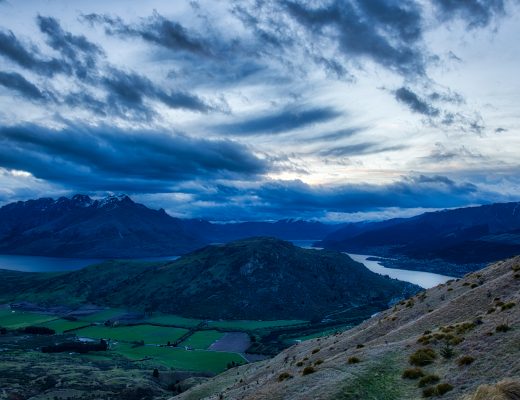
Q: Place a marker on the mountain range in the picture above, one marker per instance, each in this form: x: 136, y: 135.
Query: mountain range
x: 258, y: 278
x: 465, y: 236
x: 117, y: 227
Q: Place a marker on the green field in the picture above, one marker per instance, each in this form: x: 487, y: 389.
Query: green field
x: 167, y: 319
x: 61, y: 325
x: 253, y: 325
x: 20, y: 319
x: 194, y: 360
x: 149, y: 333
x: 202, y: 339
x: 104, y: 315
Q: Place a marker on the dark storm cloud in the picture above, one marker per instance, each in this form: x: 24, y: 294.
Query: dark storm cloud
x: 155, y: 29
x: 17, y: 83
x: 29, y: 57
x: 476, y: 13
x: 280, y: 122
x: 81, y: 53
x: 389, y: 33
x: 415, y: 103
x: 100, y: 158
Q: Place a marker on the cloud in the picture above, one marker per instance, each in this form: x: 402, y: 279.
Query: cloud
x: 280, y: 122
x: 16, y: 82
x: 388, y: 33
x: 155, y: 29
x: 475, y: 13
x: 416, y: 104
x: 81, y: 53
x: 105, y: 158
x: 14, y: 50
x: 359, y: 149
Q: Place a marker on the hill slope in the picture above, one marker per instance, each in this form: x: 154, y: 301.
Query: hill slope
x: 479, y: 315
x: 461, y: 236
x: 259, y: 278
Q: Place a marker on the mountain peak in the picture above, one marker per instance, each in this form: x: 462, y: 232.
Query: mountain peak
x: 112, y: 201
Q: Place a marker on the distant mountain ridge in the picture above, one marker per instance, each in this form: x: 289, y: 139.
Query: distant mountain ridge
x: 256, y: 278
x: 465, y: 235
x: 82, y: 227
x: 117, y: 227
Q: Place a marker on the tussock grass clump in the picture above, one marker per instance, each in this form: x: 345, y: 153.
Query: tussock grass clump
x: 428, y: 380
x: 284, y: 376
x: 308, y: 370
x: 447, y: 351
x: 424, y: 340
x: 491, y: 310
x: 412, y: 373
x: 502, y: 328
x: 314, y: 351
x: 423, y: 357
x: 455, y: 340
x: 318, y: 362
x: 464, y: 327
x: 299, y: 364
x: 410, y: 303
x: 465, y: 360
x: 516, y: 267
x: 360, y: 346
x: 508, y: 306
x: 504, y: 390
x: 474, y: 285
x: 353, y: 360
x: 438, y: 390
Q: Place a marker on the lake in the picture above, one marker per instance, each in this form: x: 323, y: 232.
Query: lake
x: 55, y: 264
x: 424, y: 279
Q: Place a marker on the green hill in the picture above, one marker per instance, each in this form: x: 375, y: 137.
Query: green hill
x: 258, y: 278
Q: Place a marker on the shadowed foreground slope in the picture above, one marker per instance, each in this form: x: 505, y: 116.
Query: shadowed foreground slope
x: 471, y: 326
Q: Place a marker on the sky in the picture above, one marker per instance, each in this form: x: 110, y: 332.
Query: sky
x: 334, y: 110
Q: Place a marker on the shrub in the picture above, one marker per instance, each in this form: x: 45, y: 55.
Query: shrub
x: 425, y: 339
x: 516, y: 267
x: 474, y: 285
x: 491, y: 310
x: 438, y: 390
x: 155, y: 373
x: 443, y: 388
x: 412, y: 373
x: 299, y: 364
x: 360, y: 346
x: 428, y: 380
x: 353, y: 360
x: 507, y: 306
x: 318, y: 362
x: 39, y: 330
x: 314, y: 351
x: 465, y: 360
x: 447, y: 351
x: 283, y: 376
x: 308, y: 370
x: 456, y: 340
x: 502, y: 328
x: 423, y: 357
x: 464, y: 327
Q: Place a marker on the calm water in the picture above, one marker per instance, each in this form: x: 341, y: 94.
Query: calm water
x: 423, y: 279
x: 54, y: 264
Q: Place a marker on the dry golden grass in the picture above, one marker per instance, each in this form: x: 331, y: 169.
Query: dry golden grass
x: 505, y: 390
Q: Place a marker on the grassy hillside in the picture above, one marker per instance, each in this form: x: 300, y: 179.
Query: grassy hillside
x: 259, y: 278
x: 443, y: 343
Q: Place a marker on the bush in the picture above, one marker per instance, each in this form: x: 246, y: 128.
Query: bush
x: 353, y: 360
x: 507, y: 306
x: 465, y: 360
x: 464, y: 327
x: 428, y: 380
x: 502, y: 328
x: 318, y: 362
x: 447, y: 351
x: 443, y: 388
x: 155, y: 373
x: 284, y: 376
x: 308, y: 370
x: 455, y: 340
x: 299, y: 364
x: 423, y: 357
x: 438, y: 390
x: 315, y: 351
x: 39, y: 330
x: 412, y: 373
x: 360, y: 346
